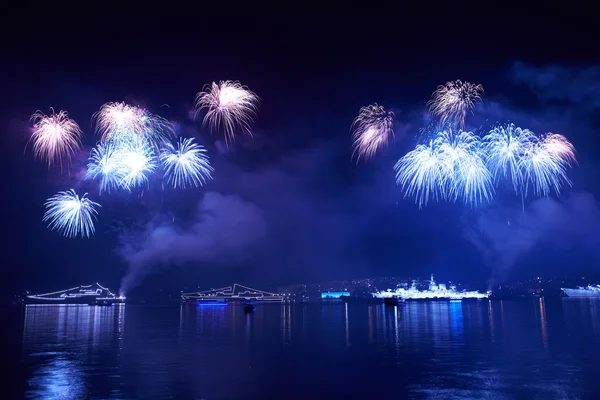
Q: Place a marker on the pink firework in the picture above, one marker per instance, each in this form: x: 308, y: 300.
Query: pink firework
x: 558, y: 146
x: 228, y: 105
x: 55, y: 137
x: 373, y: 128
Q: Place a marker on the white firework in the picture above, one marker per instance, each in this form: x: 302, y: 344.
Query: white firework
x: 55, y: 137
x: 229, y: 106
x: 373, y: 128
x: 70, y: 214
x: 186, y: 165
x: 119, y: 122
x: 451, y: 102
x: 504, y: 147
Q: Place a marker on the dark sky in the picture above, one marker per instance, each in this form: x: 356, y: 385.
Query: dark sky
x: 291, y: 205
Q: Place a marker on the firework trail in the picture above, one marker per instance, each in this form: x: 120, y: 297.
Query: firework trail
x: 122, y: 165
x: 420, y: 173
x: 374, y: 126
x: 104, y: 163
x: 138, y: 160
x: 452, y: 101
x: 229, y: 105
x: 504, y: 148
x: 70, y: 214
x: 118, y: 122
x: 55, y: 136
x: 186, y: 165
x: 469, y: 177
x: 532, y: 164
x: 448, y: 168
x: 558, y: 146
x: 545, y: 164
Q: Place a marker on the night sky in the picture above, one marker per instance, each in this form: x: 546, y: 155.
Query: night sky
x: 291, y: 205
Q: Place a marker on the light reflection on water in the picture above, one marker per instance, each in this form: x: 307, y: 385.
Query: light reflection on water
x: 491, y: 350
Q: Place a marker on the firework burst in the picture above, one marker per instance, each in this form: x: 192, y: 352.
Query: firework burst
x: 545, y: 164
x: 373, y: 128
x: 119, y: 122
x: 448, y: 168
x: 558, y: 146
x: 186, y: 165
x: 504, y: 147
x: 228, y: 105
x: 532, y: 164
x: 70, y: 214
x: 451, y: 102
x: 55, y: 137
x: 105, y: 163
x: 121, y: 165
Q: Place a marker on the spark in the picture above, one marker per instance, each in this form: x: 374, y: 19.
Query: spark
x: 504, y: 147
x: 104, y: 162
x: 532, y: 164
x: 186, y: 165
x: 229, y: 105
x: 558, y: 146
x: 55, y: 137
x: 137, y: 160
x: 121, y: 165
x: 374, y: 126
x: 70, y: 214
x: 452, y: 101
x: 448, y: 168
x: 545, y: 164
x: 117, y: 122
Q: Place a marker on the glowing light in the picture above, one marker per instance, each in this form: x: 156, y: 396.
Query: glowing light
x: 448, y: 168
x: 228, y: 105
x: 235, y: 292
x: 544, y: 168
x: 121, y: 165
x: 186, y: 165
x: 504, y: 147
x: 55, y: 137
x: 373, y: 128
x: 138, y: 161
x: 532, y: 164
x: 117, y: 122
x: 333, y: 295
x: 104, y: 162
x: 451, y: 102
x: 71, y: 215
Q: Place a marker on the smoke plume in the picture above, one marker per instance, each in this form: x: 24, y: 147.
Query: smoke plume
x: 223, y: 227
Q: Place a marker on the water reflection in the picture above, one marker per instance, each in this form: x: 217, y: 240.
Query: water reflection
x: 61, y: 342
x: 543, y: 323
x: 347, y: 325
x: 481, y: 349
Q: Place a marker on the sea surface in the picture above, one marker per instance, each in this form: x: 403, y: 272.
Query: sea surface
x: 529, y: 349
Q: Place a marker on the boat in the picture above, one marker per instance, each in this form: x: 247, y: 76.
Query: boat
x: 580, y: 291
x: 86, y: 294
x: 434, y: 292
x: 249, y: 307
x: 232, y: 294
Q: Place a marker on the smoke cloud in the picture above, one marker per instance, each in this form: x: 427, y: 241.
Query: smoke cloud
x: 580, y: 86
x: 222, y: 229
x: 505, y: 236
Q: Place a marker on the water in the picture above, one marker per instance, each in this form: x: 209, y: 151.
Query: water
x: 534, y: 349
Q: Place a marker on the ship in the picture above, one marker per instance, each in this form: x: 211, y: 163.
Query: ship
x: 86, y: 294
x: 589, y: 291
x: 434, y: 292
x: 232, y: 294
